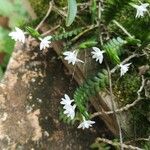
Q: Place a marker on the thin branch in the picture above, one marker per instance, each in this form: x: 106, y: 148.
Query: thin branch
x: 125, y: 108
x: 60, y: 12
x: 122, y: 28
x: 141, y: 87
x: 122, y: 109
x: 129, y: 147
x: 139, y: 139
x: 99, y: 22
x: 125, y: 61
x: 50, y: 31
x: 88, y: 28
x: 113, y: 107
x: 80, y: 5
x: 47, y: 14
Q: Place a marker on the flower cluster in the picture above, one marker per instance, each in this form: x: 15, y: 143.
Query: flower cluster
x: 97, y: 54
x: 86, y: 123
x: 71, y: 57
x: 19, y: 35
x: 69, y: 110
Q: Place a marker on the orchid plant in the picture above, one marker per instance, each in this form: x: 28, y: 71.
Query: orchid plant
x: 99, y: 54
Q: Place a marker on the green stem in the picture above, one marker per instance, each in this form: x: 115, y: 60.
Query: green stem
x: 122, y: 28
x: 99, y: 22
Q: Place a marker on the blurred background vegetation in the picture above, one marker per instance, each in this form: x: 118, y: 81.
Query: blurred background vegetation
x: 12, y: 13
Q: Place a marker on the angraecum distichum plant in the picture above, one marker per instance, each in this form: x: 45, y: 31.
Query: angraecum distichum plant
x: 106, y: 47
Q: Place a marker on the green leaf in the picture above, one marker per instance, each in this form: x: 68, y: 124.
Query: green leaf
x: 72, y: 10
x: 113, y: 49
x: 88, y: 43
x: 33, y: 32
x: 133, y: 41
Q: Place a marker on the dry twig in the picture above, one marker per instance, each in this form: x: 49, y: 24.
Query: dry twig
x: 128, y: 147
x: 47, y: 14
x: 125, y: 108
x: 113, y: 107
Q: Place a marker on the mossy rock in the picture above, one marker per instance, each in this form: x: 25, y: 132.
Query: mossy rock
x: 126, y: 88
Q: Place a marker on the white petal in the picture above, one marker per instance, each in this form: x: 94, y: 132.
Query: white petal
x: 97, y: 54
x: 86, y: 124
x: 47, y: 38
x: 141, y: 9
x: 96, y: 49
x: 67, y: 97
x: 80, y: 125
x: 124, y: 68
x: 66, y: 100
x: 45, y: 42
x: 71, y: 57
x: 17, y: 35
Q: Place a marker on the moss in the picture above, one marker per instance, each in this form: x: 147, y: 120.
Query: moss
x: 61, y: 3
x: 126, y: 88
x: 40, y: 7
x: 140, y: 119
x: 126, y: 92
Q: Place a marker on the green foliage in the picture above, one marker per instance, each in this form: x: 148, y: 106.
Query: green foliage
x: 100, y: 146
x: 113, y: 48
x: 140, y: 119
x: 133, y: 41
x: 88, y: 43
x: 147, y: 146
x: 40, y: 7
x: 66, y: 34
x: 89, y: 89
x: 113, y: 8
x: 138, y: 28
x: 33, y: 32
x: 72, y: 10
x: 132, y: 83
x: 93, y: 11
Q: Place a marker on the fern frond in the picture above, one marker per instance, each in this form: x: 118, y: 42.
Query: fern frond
x: 90, y: 88
x: 66, y: 34
x: 112, y: 49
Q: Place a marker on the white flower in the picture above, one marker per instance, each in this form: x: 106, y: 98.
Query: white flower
x: 17, y: 35
x: 71, y: 57
x: 97, y: 54
x: 124, y: 68
x: 70, y: 111
x: 140, y: 9
x: 86, y: 124
x: 66, y: 100
x: 45, y: 42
